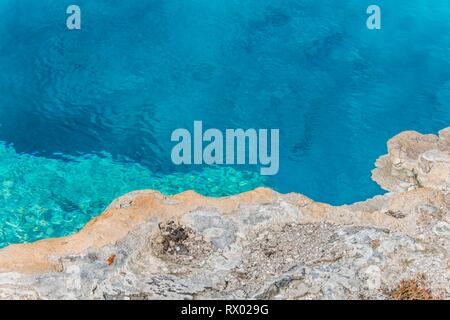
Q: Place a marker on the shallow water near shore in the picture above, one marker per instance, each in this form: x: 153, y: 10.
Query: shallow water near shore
x: 86, y: 116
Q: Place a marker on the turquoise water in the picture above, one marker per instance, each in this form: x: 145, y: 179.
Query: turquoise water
x: 43, y: 197
x: 86, y: 116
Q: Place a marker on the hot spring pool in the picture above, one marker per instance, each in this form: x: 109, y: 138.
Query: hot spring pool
x: 86, y: 115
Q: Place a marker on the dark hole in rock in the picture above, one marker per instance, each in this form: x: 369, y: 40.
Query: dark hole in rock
x: 173, y: 235
x: 180, y: 244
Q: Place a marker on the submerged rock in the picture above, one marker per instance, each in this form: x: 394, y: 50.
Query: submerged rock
x: 259, y: 244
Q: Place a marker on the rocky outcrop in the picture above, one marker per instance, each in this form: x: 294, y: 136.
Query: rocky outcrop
x: 415, y: 161
x: 258, y: 245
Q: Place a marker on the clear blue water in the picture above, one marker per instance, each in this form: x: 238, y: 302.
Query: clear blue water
x: 86, y: 116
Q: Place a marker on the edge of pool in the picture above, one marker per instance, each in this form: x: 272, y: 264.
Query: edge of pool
x: 415, y: 172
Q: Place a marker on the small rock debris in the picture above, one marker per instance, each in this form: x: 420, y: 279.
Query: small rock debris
x: 111, y: 259
x: 395, y: 214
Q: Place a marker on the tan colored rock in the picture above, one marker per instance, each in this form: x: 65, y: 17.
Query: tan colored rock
x: 415, y: 161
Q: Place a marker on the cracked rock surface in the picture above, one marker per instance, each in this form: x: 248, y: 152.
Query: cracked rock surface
x: 256, y: 245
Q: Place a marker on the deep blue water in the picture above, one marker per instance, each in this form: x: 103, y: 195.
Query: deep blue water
x: 86, y: 115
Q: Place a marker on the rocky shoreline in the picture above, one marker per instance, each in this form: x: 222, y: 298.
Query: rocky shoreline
x: 259, y: 244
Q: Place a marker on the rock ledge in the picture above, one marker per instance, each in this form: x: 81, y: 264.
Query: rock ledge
x: 256, y: 245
